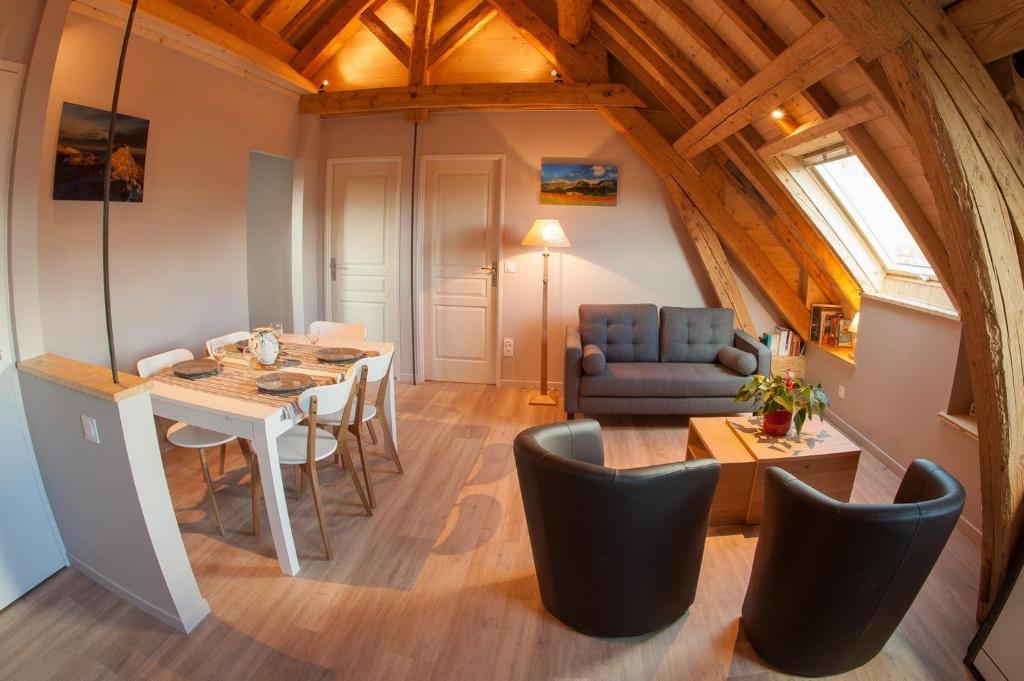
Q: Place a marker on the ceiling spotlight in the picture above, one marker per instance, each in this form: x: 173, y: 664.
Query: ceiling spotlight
x: 556, y: 75
x: 778, y: 114
x: 323, y: 85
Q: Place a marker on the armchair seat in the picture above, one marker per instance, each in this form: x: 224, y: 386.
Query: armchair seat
x: 656, y: 379
x: 617, y: 552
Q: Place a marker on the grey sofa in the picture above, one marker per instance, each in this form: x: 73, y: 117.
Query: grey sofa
x: 636, y: 365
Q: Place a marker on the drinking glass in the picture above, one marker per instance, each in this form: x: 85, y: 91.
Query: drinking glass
x: 313, y: 335
x: 217, y: 350
x: 250, y: 359
x: 278, y: 329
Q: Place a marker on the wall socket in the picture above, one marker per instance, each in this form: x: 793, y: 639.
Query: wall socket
x: 508, y: 348
x: 841, y: 392
x: 90, y: 429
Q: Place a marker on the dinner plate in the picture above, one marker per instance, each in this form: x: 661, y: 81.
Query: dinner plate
x: 195, y: 368
x: 337, y: 355
x: 283, y: 382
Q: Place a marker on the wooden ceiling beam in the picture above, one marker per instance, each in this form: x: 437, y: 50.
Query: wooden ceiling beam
x: 300, y: 23
x: 994, y: 28
x: 460, y: 33
x: 864, y: 109
x: 753, y: 26
x: 708, y: 39
x: 265, y: 9
x: 481, y: 96
x: 816, y: 54
x: 391, y: 40
x: 329, y: 38
x: 574, y: 20
x: 422, y: 32
x: 237, y: 24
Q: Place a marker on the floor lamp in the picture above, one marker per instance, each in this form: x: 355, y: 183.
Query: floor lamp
x: 549, y: 234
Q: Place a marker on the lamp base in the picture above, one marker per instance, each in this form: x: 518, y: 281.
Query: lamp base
x: 543, y: 401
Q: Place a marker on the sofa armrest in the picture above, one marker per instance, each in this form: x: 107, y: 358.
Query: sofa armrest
x: 573, y: 369
x: 744, y: 341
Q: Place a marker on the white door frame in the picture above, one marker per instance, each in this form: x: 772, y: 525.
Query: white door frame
x: 420, y: 292
x: 393, y: 297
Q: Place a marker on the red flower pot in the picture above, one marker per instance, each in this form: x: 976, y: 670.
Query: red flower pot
x: 777, y: 423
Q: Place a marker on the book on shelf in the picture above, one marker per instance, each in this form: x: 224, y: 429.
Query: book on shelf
x: 783, y: 342
x: 818, y: 310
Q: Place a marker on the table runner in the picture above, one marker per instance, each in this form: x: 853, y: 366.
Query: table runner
x: 238, y: 382
x: 306, y: 357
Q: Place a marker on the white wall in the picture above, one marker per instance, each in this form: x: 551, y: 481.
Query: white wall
x: 20, y: 19
x: 269, y: 234
x: 179, y: 258
x: 635, y: 252
x: 905, y: 361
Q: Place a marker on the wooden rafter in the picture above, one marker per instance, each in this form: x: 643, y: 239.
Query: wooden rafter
x: 969, y: 145
x: 228, y: 19
x: 657, y: 150
x: 464, y: 29
x: 302, y: 20
x: 423, y: 27
x: 864, y: 109
x: 752, y: 25
x: 391, y: 40
x: 264, y: 9
x: 574, y: 19
x: 644, y: 51
x: 480, y: 96
x: 816, y: 54
x: 329, y: 38
x: 994, y: 28
x: 708, y: 39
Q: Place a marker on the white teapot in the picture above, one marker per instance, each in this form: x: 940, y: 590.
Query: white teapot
x: 263, y: 345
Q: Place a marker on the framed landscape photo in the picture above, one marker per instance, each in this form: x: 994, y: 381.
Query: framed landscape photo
x: 579, y: 184
x: 82, y: 155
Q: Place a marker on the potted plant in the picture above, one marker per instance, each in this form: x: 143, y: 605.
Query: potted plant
x: 783, y: 401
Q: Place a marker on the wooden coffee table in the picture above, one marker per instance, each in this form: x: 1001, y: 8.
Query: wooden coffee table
x: 823, y: 458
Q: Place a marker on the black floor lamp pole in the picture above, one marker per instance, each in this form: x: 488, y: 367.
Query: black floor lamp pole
x: 106, y: 192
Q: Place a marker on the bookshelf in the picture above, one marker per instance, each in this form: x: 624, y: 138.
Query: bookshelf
x: 845, y: 354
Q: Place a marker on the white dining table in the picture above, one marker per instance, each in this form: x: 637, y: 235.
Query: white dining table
x: 262, y: 424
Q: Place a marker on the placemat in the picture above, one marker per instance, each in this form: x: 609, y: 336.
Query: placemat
x: 237, y: 382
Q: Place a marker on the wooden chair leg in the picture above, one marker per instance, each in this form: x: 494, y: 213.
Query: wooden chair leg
x: 346, y: 459
x: 389, y: 443
x: 373, y: 435
x: 300, y: 483
x: 223, y: 454
x: 314, y: 485
x: 366, y: 469
x: 209, y: 489
x: 337, y: 452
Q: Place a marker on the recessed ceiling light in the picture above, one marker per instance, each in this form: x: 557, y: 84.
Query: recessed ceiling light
x: 778, y: 114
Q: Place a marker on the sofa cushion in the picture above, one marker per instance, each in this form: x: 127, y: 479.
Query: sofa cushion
x: 624, y: 333
x: 657, y: 379
x: 743, y: 363
x: 694, y: 334
x: 593, y: 360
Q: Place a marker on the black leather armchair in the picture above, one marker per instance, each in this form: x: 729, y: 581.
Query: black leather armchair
x: 617, y: 553
x: 831, y: 581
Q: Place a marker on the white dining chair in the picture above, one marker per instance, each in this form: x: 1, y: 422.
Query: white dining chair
x: 227, y: 339
x: 304, y: 445
x: 183, y: 434
x: 366, y: 372
x: 338, y: 333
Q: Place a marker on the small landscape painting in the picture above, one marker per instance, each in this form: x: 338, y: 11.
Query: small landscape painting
x: 578, y: 184
x: 82, y: 151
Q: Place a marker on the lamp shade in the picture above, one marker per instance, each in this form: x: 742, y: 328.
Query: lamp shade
x: 855, y: 323
x: 546, y: 233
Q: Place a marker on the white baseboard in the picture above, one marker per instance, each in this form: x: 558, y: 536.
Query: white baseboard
x: 185, y: 624
x: 529, y: 385
x: 963, y: 525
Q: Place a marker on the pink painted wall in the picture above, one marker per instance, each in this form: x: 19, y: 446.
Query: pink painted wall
x: 905, y: 360
x: 635, y: 252
x: 179, y: 258
x: 19, y: 20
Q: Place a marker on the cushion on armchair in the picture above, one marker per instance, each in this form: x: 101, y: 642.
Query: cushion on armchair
x: 593, y: 360
x: 743, y: 363
x: 695, y: 334
x: 624, y: 333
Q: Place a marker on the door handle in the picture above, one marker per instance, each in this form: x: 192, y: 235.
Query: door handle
x: 493, y: 271
x: 334, y: 269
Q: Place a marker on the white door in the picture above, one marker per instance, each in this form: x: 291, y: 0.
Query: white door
x: 362, y: 235
x: 30, y: 549
x: 461, y: 208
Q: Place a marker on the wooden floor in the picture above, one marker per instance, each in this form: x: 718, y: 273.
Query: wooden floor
x: 439, y: 583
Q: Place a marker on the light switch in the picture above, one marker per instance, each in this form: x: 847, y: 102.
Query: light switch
x: 90, y: 429
x: 510, y: 267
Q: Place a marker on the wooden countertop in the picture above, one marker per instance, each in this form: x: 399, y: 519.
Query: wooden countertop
x: 83, y: 377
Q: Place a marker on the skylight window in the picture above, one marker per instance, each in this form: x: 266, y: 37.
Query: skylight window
x: 870, y: 211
